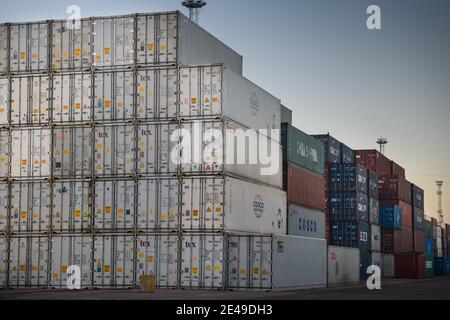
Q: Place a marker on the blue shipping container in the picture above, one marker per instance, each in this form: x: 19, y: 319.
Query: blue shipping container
x: 418, y: 196
x: 418, y: 218
x: 429, y: 246
x: 439, y: 266
x: 347, y: 177
x: 350, y: 234
x: 347, y: 154
x: 372, y: 184
x: 374, y: 211
x: 447, y: 266
x: 332, y: 147
x: 349, y: 206
x: 366, y: 261
x: 391, y: 217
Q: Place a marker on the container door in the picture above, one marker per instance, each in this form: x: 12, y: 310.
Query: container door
x: 40, y: 206
x: 4, y: 97
x: 39, y: 46
x: 123, y: 41
x: 123, y: 96
x: 4, y: 153
x: 167, y: 270
x: 190, y: 92
x: 59, y: 257
x: 82, y: 45
x: 238, y: 262
x: 191, y: 261
x: 102, y: 42
x: 146, y: 255
x: 212, y: 269
x: 168, y: 158
x: 103, y: 260
x: 191, y: 204
x: 40, y: 99
x: 38, y: 261
x: 146, y: 94
x: 167, y: 93
x: 103, y: 83
x: 18, y: 262
x: 19, y: 100
x: 147, y: 148
x: 3, y: 261
x: 147, y: 204
x: 168, y: 204
x: 61, y: 46
x: 124, y: 205
x: 61, y: 98
x: 20, y: 157
x: 146, y: 39
x: 19, y: 219
x: 81, y: 97
x: 103, y: 151
x: 168, y: 26
x: 18, y: 52
x: 261, y: 262
x: 3, y: 49
x: 123, y: 261
x: 103, y: 205
x: 40, y: 152
x: 82, y: 157
x: 124, y: 145
x: 4, y: 195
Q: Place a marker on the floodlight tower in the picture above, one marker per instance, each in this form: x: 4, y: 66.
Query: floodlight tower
x: 194, y: 7
x: 439, y: 211
x: 382, y: 142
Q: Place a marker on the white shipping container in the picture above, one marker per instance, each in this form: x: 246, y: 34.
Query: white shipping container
x: 114, y: 150
x: 4, y: 100
x: 30, y: 100
x: 29, y: 47
x: 30, y: 153
x: 343, y: 265
x: 376, y: 259
x: 3, y: 48
x: 72, y: 98
x: 113, y: 261
x: 71, y: 45
x: 113, y: 41
x: 439, y: 251
x: 30, y: 206
x: 158, y: 204
x: 28, y: 262
x: 72, y: 152
x: 218, y: 91
x: 158, y: 255
x: 157, y: 93
x: 113, y: 96
x: 3, y: 261
x: 387, y: 265
x: 230, y: 204
x: 72, y: 209
x: 67, y: 251
x: 4, y: 153
x: 305, y: 222
x: 114, y: 204
x: 4, y: 196
x: 375, y: 243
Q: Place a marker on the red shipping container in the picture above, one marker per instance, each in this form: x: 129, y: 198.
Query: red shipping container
x: 373, y: 160
x: 304, y: 187
x: 419, y: 241
x: 406, y: 211
x: 407, y: 243
x: 391, y: 241
x: 410, y: 266
x: 394, y: 188
x: 397, y: 169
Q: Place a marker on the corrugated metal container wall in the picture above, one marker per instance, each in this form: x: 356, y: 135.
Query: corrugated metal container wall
x: 397, y: 241
x: 303, y: 187
x: 72, y: 98
x: 3, y: 261
x: 375, y: 236
x: 428, y: 228
x: 343, y: 265
x: 397, y: 169
x: 387, y: 265
x: 348, y: 206
x: 410, y: 266
x: 372, y: 191
x: 30, y: 157
x: 30, y: 96
x: 4, y: 206
x: 305, y: 222
x: 347, y: 177
x: 113, y: 41
x: 418, y: 218
x: 4, y: 101
x: 418, y: 196
x: 419, y: 241
x: 429, y: 246
x: 28, y: 262
x: 350, y: 234
x: 391, y: 217
x: 302, y: 149
x: 394, y: 188
x: 429, y: 265
x: 347, y: 154
x: 29, y: 47
x: 30, y: 206
x: 71, y: 47
x: 4, y: 153
x: 374, y: 211
x: 3, y: 48
x: 374, y: 161
x: 66, y: 251
x: 376, y: 259
x: 332, y: 150
x: 406, y: 211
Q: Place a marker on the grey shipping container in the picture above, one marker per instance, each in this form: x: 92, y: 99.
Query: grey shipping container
x: 4, y: 102
x: 4, y: 48
x: 4, y: 206
x: 3, y: 261
x: 4, y: 153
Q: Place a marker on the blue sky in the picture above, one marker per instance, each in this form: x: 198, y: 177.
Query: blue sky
x: 319, y: 58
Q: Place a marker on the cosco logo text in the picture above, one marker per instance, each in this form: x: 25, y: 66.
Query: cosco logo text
x: 307, y: 225
x: 258, y: 206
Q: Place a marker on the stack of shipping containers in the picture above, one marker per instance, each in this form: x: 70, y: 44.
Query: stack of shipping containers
x: 429, y: 248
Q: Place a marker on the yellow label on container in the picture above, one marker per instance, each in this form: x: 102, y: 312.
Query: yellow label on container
x: 194, y: 101
x: 106, y: 268
x: 218, y: 210
x: 66, y: 54
x: 141, y: 90
x: 98, y: 57
x: 108, y: 210
x: 64, y: 269
x: 120, y: 210
x: 77, y: 52
x: 2, y: 109
x: 78, y: 106
x: 141, y: 254
x: 150, y: 259
x: 23, y: 215
x: 22, y: 56
x: 242, y: 272
x: 44, y: 161
x: 120, y: 104
x: 66, y: 107
x: 208, y: 268
x: 194, y: 270
x: 99, y: 146
x: 107, y: 104
x: 78, y: 213
x: 22, y: 267
x: 34, y: 268
x: 150, y: 47
x: 119, y: 270
x: 24, y: 162
x: 66, y: 152
x: 36, y: 216
x: 215, y: 99
x: 217, y: 268
x: 107, y: 51
x: 195, y: 213
x: 55, y: 275
x: 255, y: 270
x: 164, y: 216
x: 163, y: 47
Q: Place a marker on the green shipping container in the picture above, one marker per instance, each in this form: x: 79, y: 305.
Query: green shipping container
x: 429, y: 265
x: 302, y: 149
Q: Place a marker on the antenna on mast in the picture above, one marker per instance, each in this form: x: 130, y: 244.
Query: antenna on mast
x: 194, y: 7
x: 439, y: 211
x: 382, y: 142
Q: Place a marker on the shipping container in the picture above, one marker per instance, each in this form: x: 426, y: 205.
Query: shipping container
x: 418, y: 196
x: 286, y: 115
x: 30, y: 153
x: 114, y: 96
x: 4, y: 153
x: 3, y: 261
x: 347, y: 177
x: 410, y: 266
x: 113, y: 261
x: 114, y: 150
x: 4, y: 49
x: 372, y: 189
x: 71, y: 45
x: 332, y: 148
x: 72, y: 98
x: 67, y: 251
x: 157, y: 255
x: 72, y: 152
x: 428, y: 228
x: 394, y: 188
x: 376, y: 259
x: 419, y: 241
x: 418, y: 218
x: 429, y: 265
x: 406, y: 211
x: 439, y: 268
x: 375, y: 236
x: 30, y: 207
x: 302, y: 150
x: 374, y: 161
x: 4, y: 207
x: 304, y: 187
x: 114, y: 205
x: 4, y: 99
x: 391, y: 217
x: 429, y: 246
x: 305, y: 222
x: 29, y: 47
x: 397, y: 169
x: 28, y: 262
x: 30, y: 100
x: 396, y: 241
x: 351, y: 234
x: 72, y: 206
x: 374, y: 211
x: 231, y: 204
x: 343, y: 265
x: 387, y: 265
x: 347, y: 154
x: 348, y: 206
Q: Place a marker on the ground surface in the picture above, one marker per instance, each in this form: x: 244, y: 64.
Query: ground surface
x: 434, y: 289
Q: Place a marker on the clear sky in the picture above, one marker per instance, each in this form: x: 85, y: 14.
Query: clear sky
x: 320, y: 59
